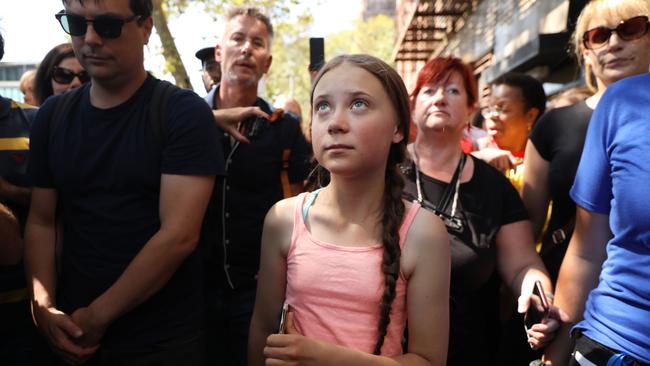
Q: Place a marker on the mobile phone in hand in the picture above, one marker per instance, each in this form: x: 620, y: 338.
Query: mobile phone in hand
x: 283, y: 319
x: 538, y: 308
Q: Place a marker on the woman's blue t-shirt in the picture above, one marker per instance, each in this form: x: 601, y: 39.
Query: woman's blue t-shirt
x: 613, y: 179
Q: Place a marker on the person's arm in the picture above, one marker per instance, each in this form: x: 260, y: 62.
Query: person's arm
x: 502, y: 160
x: 59, y: 329
x: 272, y: 278
x: 578, y: 276
x: 518, y: 262
x: 427, y: 254
x: 15, y: 194
x: 534, y: 191
x: 520, y: 266
x: 11, y: 243
x: 183, y: 201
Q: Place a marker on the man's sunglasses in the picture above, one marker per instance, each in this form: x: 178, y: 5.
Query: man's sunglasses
x: 65, y: 76
x: 627, y: 30
x: 105, y: 26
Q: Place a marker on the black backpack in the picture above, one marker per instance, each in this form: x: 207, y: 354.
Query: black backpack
x: 157, y: 109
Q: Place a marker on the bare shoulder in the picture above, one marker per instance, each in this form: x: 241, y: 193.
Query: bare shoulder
x: 426, y: 243
x: 278, y: 224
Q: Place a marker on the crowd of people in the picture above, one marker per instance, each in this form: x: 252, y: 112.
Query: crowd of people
x: 143, y: 225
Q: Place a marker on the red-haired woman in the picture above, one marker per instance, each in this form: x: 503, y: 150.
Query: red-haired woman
x: 485, y: 218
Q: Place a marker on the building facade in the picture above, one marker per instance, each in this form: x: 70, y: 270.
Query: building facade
x: 494, y: 36
x: 10, y: 73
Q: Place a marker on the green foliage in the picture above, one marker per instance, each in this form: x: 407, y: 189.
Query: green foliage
x: 375, y: 37
x: 277, y: 9
x: 289, y: 74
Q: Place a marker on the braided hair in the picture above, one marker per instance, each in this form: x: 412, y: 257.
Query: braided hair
x: 393, y: 206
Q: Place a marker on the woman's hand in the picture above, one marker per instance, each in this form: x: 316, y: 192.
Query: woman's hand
x: 540, y: 334
x: 293, y: 348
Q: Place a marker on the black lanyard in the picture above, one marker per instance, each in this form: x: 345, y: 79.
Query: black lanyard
x: 449, y: 195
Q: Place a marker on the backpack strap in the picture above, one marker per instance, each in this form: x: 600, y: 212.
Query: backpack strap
x: 158, y: 107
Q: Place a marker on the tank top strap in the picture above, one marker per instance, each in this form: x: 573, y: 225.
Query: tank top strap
x: 299, y: 226
x: 406, y: 223
x: 309, y: 201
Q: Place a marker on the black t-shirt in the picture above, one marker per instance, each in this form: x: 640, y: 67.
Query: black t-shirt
x: 232, y: 230
x: 106, y: 166
x: 559, y: 136
x: 486, y: 203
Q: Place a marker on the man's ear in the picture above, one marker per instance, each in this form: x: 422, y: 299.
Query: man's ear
x: 147, y: 26
x: 217, y: 52
x: 267, y: 66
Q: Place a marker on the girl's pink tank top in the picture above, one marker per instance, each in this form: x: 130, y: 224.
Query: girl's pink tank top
x: 334, y: 291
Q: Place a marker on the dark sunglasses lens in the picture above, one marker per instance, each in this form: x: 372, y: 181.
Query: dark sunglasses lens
x: 76, y: 25
x: 108, y: 27
x: 598, y: 36
x: 633, y: 28
x: 62, y: 76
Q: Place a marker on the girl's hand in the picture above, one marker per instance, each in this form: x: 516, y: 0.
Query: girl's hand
x: 293, y: 348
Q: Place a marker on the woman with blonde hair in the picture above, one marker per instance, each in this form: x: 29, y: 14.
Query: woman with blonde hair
x: 611, y: 42
x: 603, y: 282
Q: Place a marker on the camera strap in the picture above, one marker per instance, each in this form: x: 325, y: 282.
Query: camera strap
x: 449, y: 195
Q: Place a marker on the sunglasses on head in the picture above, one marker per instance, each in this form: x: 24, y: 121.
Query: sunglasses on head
x: 627, y: 30
x: 106, y: 26
x: 65, y: 76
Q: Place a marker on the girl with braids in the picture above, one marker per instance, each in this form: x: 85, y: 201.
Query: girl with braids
x: 353, y: 259
x: 485, y: 218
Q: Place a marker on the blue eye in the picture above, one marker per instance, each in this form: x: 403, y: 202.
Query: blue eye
x: 322, y: 106
x: 359, y: 103
x: 453, y: 91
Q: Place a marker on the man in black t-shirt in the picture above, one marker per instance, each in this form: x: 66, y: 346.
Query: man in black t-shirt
x: 233, y: 229
x: 118, y: 282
